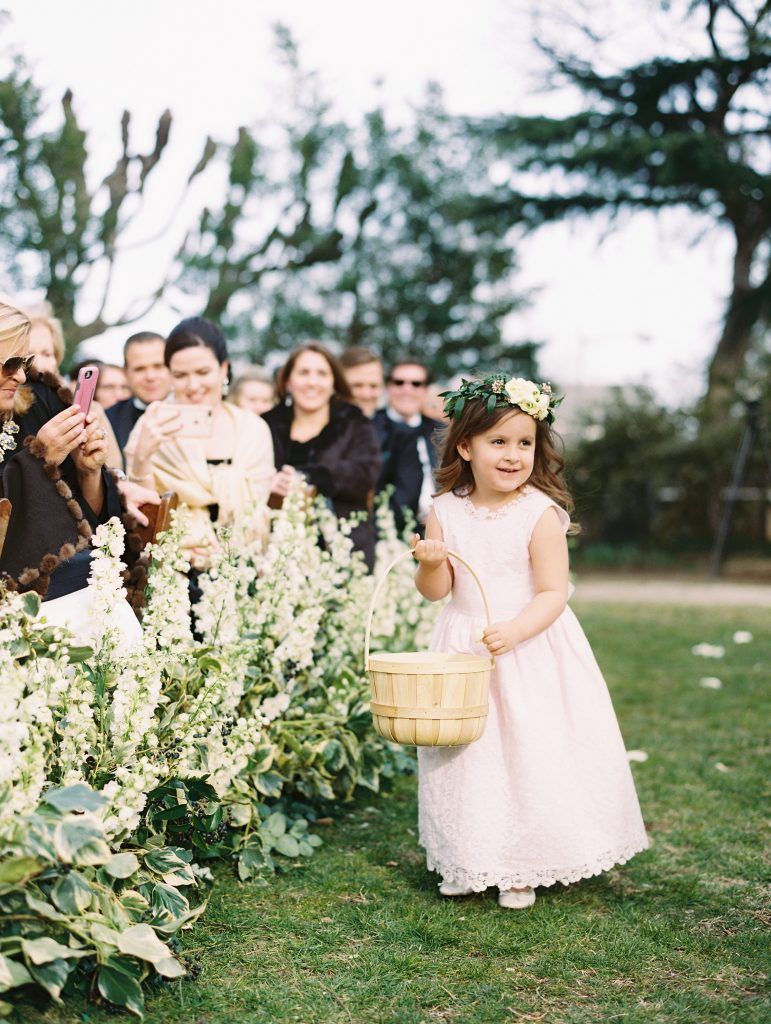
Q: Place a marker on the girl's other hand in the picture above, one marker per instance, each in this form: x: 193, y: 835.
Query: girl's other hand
x: 501, y: 637
x: 431, y: 553
x: 62, y: 434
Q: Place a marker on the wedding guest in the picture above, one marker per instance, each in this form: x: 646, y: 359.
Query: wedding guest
x: 47, y: 345
x: 406, y: 390
x: 221, y: 472
x: 365, y: 376
x: 113, y: 387
x: 433, y: 404
x: 148, y: 378
x: 46, y: 338
x: 253, y: 390
x: 319, y: 433
x: 52, y: 460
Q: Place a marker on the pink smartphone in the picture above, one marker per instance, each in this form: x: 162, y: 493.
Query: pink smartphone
x: 85, y: 387
x: 196, y: 421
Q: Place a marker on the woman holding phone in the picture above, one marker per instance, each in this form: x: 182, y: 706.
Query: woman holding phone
x: 52, y: 455
x: 217, y: 457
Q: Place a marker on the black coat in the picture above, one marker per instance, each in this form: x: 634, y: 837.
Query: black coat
x: 46, y: 547
x: 342, y: 463
x: 403, y: 465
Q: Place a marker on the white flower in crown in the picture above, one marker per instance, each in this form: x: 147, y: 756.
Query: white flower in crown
x: 520, y: 391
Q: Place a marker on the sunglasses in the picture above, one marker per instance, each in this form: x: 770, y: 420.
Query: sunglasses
x: 12, y: 366
x: 399, y: 382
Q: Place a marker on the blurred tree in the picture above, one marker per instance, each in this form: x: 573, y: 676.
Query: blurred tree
x: 690, y: 131
x: 57, y: 233
x: 372, y: 244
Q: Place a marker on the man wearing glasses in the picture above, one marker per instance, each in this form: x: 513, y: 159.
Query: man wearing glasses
x: 406, y: 391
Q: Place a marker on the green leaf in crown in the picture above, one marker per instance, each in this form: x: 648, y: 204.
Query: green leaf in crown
x: 500, y: 391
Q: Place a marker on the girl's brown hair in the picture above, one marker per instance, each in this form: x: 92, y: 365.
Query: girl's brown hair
x: 454, y: 473
x: 342, y: 391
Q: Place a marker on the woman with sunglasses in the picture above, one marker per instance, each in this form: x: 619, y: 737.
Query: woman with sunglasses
x: 52, y: 470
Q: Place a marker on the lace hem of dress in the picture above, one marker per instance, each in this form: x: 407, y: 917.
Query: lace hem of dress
x: 492, y: 513
x: 479, y: 881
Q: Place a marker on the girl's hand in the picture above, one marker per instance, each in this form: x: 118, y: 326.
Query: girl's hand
x: 90, y: 455
x: 62, y: 434
x: 501, y: 637
x: 430, y: 553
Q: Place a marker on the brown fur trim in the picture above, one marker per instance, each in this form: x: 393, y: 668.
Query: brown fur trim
x: 36, y: 448
x: 39, y: 578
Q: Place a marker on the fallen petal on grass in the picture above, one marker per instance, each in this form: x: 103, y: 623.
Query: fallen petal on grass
x: 705, y: 650
x: 742, y: 636
x: 719, y: 766
x: 710, y: 682
x: 636, y: 755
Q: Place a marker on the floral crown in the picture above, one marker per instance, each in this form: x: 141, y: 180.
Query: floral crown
x: 498, y: 391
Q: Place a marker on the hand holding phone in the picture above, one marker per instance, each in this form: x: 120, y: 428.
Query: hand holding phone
x: 85, y: 387
x: 196, y: 420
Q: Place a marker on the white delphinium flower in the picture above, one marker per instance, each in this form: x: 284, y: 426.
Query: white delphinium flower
x: 135, y: 698
x: 77, y: 728
x: 105, y: 585
x: 127, y: 794
x: 166, y: 618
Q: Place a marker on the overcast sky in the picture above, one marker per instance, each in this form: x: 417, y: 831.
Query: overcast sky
x: 639, y: 303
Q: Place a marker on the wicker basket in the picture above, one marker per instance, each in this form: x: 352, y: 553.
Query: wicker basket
x: 428, y: 699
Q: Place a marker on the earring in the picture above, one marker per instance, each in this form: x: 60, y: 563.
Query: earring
x: 225, y: 388
x: 287, y: 399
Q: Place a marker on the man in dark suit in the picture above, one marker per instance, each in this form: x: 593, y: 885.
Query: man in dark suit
x: 406, y: 391
x: 149, y: 380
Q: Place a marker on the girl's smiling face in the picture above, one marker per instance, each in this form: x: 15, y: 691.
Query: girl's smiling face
x: 501, y: 458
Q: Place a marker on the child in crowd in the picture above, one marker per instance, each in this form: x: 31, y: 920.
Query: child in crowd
x: 546, y: 794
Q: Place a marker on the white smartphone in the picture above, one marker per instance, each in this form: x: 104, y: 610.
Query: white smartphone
x: 196, y: 421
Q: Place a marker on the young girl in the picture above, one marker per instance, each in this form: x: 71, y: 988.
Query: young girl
x: 545, y: 795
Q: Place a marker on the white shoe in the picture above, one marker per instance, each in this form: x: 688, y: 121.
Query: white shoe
x: 453, y: 889
x: 516, y: 900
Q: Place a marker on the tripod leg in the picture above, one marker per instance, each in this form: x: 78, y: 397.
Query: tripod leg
x: 727, y: 513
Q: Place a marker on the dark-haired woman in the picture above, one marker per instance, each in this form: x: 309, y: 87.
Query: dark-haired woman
x: 319, y: 433
x: 224, y: 477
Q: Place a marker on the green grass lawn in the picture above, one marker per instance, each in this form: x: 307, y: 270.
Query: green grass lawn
x: 679, y: 934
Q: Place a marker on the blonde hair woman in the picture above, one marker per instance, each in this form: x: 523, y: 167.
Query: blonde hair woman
x: 52, y: 470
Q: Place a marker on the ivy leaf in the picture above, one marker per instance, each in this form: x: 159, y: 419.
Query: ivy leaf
x: 45, y: 949
x: 120, y: 988
x: 287, y: 845
x: 141, y: 942
x: 19, y: 869
x: 78, y: 797
x: 30, y: 602
x: 122, y: 865
x: 53, y: 976
x: 12, y: 974
x: 72, y: 894
x: 81, y: 841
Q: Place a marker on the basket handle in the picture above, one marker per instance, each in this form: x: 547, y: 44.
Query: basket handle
x: 381, y: 581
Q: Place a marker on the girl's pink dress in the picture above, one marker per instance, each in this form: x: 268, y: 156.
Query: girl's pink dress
x: 546, y: 794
